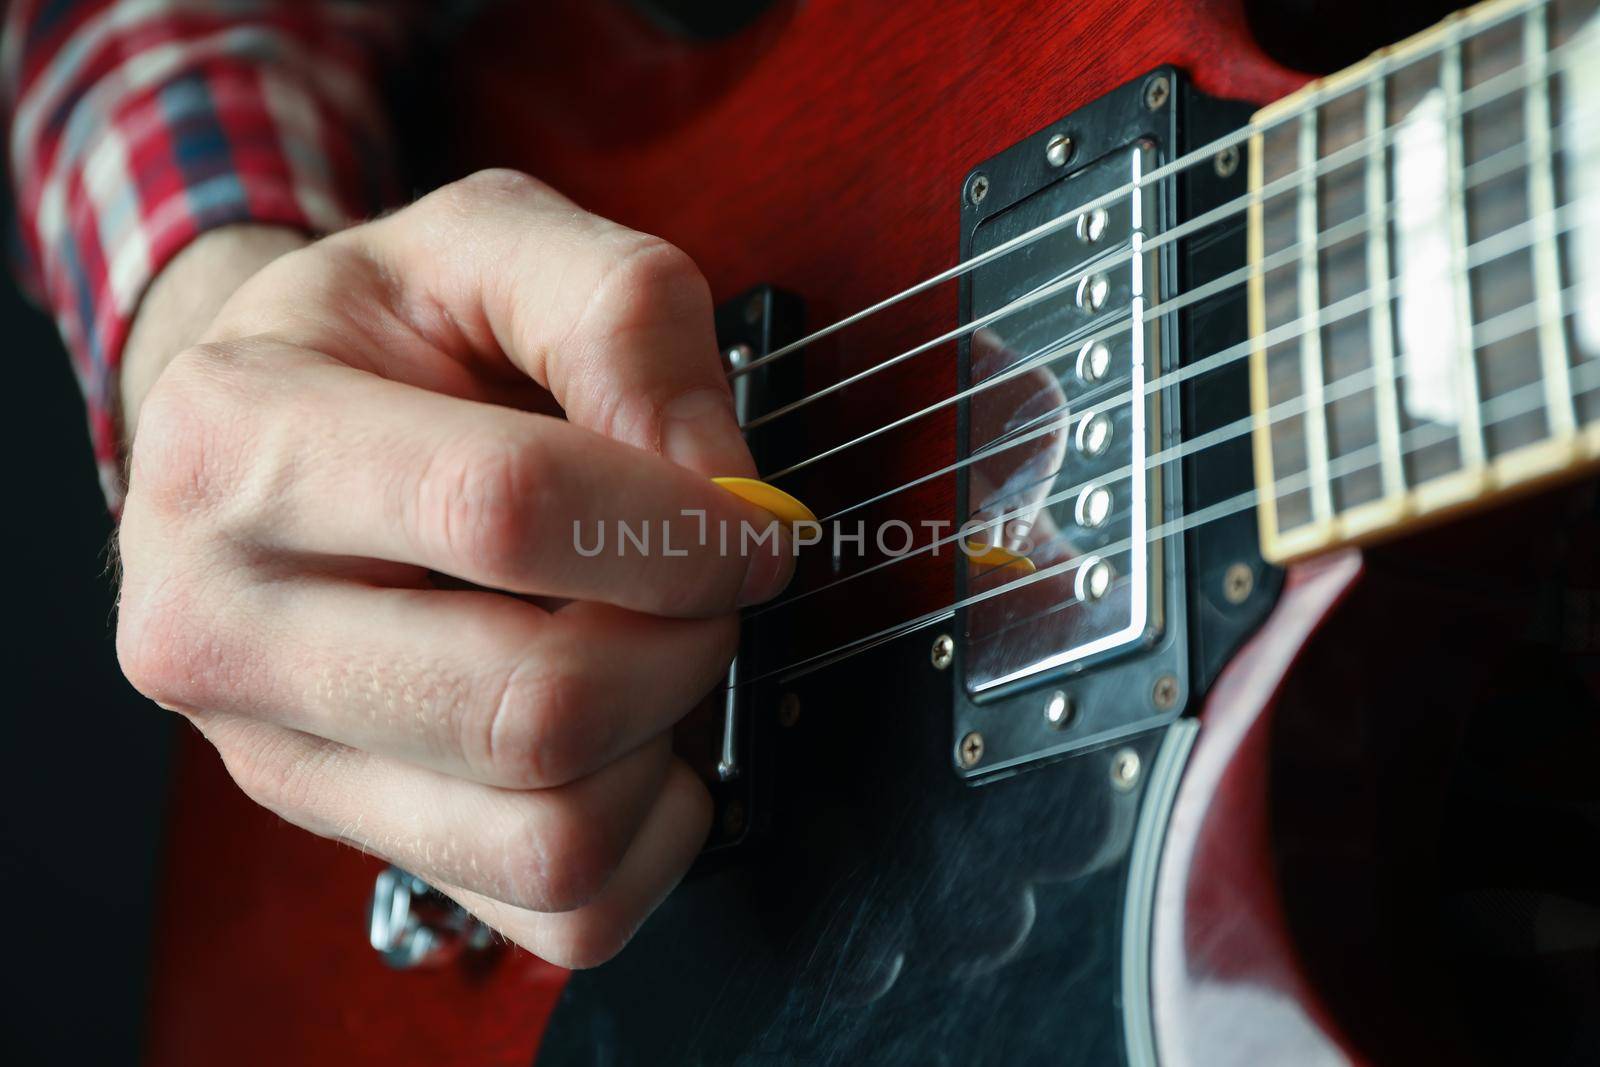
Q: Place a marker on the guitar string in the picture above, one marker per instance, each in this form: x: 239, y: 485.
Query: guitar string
x: 1077, y: 341
x: 1554, y: 62
x: 1497, y: 410
x: 1498, y: 245
x: 1384, y: 66
x: 1472, y: 176
x: 1498, y: 328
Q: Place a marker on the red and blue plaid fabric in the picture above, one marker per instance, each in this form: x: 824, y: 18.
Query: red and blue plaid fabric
x: 133, y: 125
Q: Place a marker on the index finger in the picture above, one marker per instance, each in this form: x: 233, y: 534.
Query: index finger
x: 616, y: 324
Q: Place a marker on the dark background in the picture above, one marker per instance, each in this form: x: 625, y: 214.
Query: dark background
x: 85, y: 756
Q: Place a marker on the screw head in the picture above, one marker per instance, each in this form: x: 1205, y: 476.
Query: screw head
x: 1238, y: 583
x: 1058, y: 150
x: 788, y: 709
x: 944, y: 650
x: 977, y: 188
x: 1058, y: 711
x: 970, y: 750
x: 1164, y: 694
x: 1125, y: 769
x: 1156, y: 92
x: 738, y: 355
x: 1226, y: 162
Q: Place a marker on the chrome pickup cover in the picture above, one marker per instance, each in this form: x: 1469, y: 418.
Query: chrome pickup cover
x: 1068, y: 429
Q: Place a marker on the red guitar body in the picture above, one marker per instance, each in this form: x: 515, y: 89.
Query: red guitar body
x: 823, y: 149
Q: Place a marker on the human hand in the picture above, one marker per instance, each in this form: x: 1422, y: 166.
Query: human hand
x: 359, y: 417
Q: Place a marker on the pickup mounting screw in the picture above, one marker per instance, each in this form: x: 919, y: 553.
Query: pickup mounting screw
x: 1058, y: 711
x: 1125, y: 769
x: 1226, y: 161
x: 737, y: 356
x: 970, y: 751
x: 789, y: 709
x: 1238, y: 583
x: 944, y: 650
x: 978, y: 188
x: 1058, y: 150
x: 1156, y: 92
x: 1164, y: 694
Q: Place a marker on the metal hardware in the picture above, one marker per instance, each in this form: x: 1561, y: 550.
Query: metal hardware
x: 411, y: 924
x: 1094, y: 579
x: 1092, y: 292
x: 1238, y: 583
x: 1094, y: 359
x: 1094, y: 434
x: 1164, y: 694
x: 1125, y: 769
x: 977, y: 189
x: 1093, y: 506
x: 1058, y: 710
x: 788, y: 709
x: 944, y: 650
x: 970, y: 751
x: 1156, y: 92
x: 1226, y: 162
x: 1092, y: 225
x: 1058, y: 150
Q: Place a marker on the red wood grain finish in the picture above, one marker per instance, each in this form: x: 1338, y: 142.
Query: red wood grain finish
x: 822, y: 150
x: 1225, y: 978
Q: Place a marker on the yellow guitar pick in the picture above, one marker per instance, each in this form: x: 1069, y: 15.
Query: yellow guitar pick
x: 983, y: 555
x: 783, y: 507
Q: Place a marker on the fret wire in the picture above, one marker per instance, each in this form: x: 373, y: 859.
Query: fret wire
x: 1380, y: 318
x: 1470, y: 425
x: 1311, y: 370
x: 1552, y: 337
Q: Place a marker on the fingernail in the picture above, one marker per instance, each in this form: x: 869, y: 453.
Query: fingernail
x: 770, y: 569
x: 699, y: 431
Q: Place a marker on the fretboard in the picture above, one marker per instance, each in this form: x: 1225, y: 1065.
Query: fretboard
x: 1425, y: 303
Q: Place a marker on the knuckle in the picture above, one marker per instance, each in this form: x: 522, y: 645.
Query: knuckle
x: 272, y: 771
x: 187, y: 452
x: 162, y: 652
x: 566, y: 862
x: 531, y: 741
x: 494, y: 185
x: 650, y: 280
x: 481, y: 504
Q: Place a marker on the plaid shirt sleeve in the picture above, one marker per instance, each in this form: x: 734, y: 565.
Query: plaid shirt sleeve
x: 134, y: 125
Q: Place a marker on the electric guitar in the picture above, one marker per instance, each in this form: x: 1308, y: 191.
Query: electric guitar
x: 1201, y: 657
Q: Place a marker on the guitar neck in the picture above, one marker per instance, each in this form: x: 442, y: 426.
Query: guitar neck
x: 1425, y: 291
